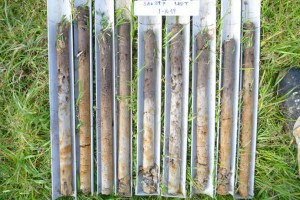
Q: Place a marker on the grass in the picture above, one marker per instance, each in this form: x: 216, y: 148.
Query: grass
x: 24, y: 115
x: 24, y: 102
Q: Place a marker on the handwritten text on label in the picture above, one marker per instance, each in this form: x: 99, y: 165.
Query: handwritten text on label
x: 166, y: 8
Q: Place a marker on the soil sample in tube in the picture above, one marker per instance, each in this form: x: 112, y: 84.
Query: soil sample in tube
x: 247, y: 109
x: 203, y: 57
x: 175, y: 143
x: 64, y: 107
x: 149, y: 170
x: 84, y: 101
x: 106, y: 113
x: 226, y: 119
x: 124, y: 148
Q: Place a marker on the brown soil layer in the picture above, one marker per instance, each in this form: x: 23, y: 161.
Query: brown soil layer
x: 247, y: 110
x: 84, y: 102
x: 149, y: 170
x: 203, y: 57
x: 106, y: 105
x: 225, y: 150
x: 124, y: 159
x: 176, y: 59
x: 64, y: 108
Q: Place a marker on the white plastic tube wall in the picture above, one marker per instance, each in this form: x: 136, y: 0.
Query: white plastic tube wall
x: 56, y: 10
x: 125, y: 6
x: 144, y: 24
x: 251, y: 11
x: 231, y: 28
x: 185, y: 22
x: 104, y: 10
x: 205, y: 21
x: 88, y: 3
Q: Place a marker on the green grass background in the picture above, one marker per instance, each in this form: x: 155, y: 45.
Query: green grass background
x: 24, y: 101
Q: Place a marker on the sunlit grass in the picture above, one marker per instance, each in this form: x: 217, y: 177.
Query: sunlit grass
x: 24, y: 108
x: 276, y: 163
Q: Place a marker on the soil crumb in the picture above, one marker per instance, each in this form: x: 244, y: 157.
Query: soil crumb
x: 150, y: 179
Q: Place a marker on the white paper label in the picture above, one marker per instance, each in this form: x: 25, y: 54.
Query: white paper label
x: 166, y: 8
